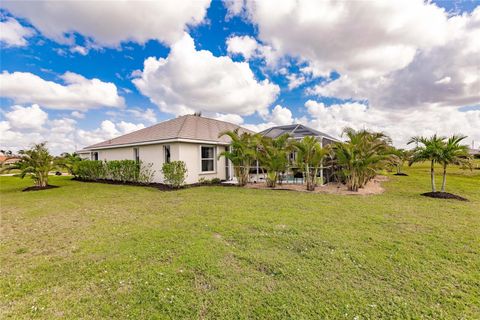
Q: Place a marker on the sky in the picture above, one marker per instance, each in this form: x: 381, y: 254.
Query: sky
x: 77, y: 73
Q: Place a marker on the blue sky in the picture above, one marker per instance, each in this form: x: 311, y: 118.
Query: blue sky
x: 322, y: 66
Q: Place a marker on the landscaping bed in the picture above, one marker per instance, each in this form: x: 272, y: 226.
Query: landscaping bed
x: 443, y: 195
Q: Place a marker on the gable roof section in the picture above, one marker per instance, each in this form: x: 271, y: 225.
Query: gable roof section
x: 188, y: 127
x: 296, y: 131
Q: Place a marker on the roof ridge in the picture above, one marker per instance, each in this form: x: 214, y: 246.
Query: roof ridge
x: 183, y: 124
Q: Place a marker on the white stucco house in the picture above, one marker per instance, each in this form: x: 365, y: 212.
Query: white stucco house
x: 191, y: 138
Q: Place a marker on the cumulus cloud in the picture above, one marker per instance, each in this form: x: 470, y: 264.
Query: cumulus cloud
x: 243, y: 45
x: 232, y: 118
x: 361, y: 37
x: 78, y: 93
x: 26, y: 117
x: 148, y: 115
x: 13, y: 33
x: 400, y: 125
x: 24, y: 126
x: 109, y: 23
x: 189, y: 80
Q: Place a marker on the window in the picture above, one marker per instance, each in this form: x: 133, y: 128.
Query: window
x: 94, y: 156
x: 208, y: 158
x: 136, y: 154
x: 166, y: 153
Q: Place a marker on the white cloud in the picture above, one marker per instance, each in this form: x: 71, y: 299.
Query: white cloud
x: 280, y: 116
x: 232, y: 118
x: 78, y: 93
x: 243, y: 45
x: 147, y: 115
x: 109, y: 23
x: 13, y: 34
x: 377, y: 37
x: 78, y: 115
x: 26, y: 117
x: 24, y: 126
x: 295, y: 81
x: 80, y: 50
x: 400, y: 124
x: 189, y: 80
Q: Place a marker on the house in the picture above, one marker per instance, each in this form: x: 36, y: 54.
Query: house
x: 297, y: 132
x: 190, y: 138
x: 4, y: 160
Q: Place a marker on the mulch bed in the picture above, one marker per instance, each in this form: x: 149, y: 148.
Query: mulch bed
x: 443, y: 195
x: 401, y: 174
x: 159, y: 186
x: 35, y: 188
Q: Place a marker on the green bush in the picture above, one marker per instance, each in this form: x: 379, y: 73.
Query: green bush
x: 91, y: 170
x: 115, y: 170
x: 174, y: 173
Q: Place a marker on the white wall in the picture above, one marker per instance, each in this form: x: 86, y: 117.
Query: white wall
x: 154, y: 154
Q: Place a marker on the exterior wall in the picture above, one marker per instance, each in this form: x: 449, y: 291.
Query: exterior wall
x: 190, y: 154
x: 154, y: 154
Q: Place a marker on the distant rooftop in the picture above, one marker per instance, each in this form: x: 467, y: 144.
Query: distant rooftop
x: 296, y: 131
x: 188, y: 127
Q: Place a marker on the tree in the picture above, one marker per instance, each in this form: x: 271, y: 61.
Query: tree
x: 361, y: 156
x: 242, y: 152
x: 273, y: 156
x: 70, y: 162
x: 428, y: 149
x: 453, y: 152
x: 36, y: 162
x: 310, y: 157
x: 400, y: 157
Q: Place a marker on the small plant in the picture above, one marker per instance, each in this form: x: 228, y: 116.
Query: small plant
x: 36, y: 163
x: 215, y: 181
x: 175, y: 173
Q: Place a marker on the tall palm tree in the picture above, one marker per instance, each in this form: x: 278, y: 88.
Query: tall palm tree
x: 242, y: 152
x: 310, y: 155
x: 453, y: 153
x: 37, y: 162
x: 273, y: 156
x: 361, y: 156
x: 428, y: 149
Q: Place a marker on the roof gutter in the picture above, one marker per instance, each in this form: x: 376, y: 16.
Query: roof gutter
x: 114, y: 146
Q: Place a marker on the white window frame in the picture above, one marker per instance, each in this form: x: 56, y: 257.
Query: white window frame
x: 214, y: 159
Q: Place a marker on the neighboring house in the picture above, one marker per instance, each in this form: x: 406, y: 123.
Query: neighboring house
x: 8, y: 160
x: 191, y: 138
x: 297, y: 132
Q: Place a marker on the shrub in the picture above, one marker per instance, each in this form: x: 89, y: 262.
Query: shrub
x: 115, y: 170
x: 174, y: 173
x: 216, y: 181
x: 91, y: 170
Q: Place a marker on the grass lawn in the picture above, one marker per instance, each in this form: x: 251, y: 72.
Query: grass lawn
x: 88, y: 250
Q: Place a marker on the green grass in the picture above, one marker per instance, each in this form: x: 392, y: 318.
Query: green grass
x: 88, y: 250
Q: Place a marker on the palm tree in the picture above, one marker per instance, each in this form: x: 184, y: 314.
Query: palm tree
x: 361, y: 156
x: 242, y: 152
x: 37, y: 162
x: 400, y: 157
x: 70, y: 162
x: 273, y: 156
x: 429, y: 150
x: 310, y: 155
x: 454, y: 153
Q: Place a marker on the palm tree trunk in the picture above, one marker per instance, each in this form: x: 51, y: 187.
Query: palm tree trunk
x: 444, y: 181
x: 432, y: 175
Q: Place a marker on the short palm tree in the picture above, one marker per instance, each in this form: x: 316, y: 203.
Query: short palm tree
x: 428, y: 149
x: 361, y: 156
x: 453, y: 152
x: 36, y: 162
x: 400, y: 157
x: 70, y: 162
x: 310, y: 155
x: 273, y: 156
x: 241, y: 152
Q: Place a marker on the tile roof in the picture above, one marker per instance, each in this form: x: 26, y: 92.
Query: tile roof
x: 189, y: 127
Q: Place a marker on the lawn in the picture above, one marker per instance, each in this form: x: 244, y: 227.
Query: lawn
x: 88, y: 250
